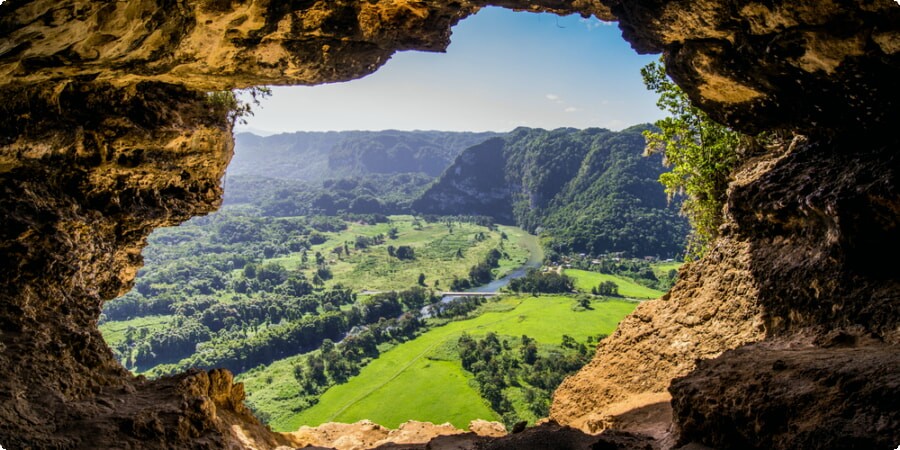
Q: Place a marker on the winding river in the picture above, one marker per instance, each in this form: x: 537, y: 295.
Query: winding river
x: 534, y: 261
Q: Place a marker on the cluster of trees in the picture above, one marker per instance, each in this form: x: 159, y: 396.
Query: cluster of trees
x: 536, y: 281
x: 606, y: 288
x: 205, y: 319
x: 455, y: 308
x: 335, y: 363
x: 501, y: 365
x: 479, y: 274
x: 260, y: 331
x: 403, y: 252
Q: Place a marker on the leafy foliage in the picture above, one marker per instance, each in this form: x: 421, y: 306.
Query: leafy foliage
x: 536, y: 281
x: 607, y: 288
x: 502, y: 365
x: 701, y: 152
x: 231, y: 107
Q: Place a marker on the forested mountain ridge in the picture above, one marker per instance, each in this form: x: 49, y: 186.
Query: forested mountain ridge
x: 473, y: 183
x: 364, y: 172
x: 318, y: 156
x: 587, y: 190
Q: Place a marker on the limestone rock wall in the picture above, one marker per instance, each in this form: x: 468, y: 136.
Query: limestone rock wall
x: 87, y: 171
x: 810, y: 66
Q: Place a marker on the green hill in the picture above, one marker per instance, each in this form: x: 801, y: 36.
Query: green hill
x: 585, y: 280
x: 588, y: 190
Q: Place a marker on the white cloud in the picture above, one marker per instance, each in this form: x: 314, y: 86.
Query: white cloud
x: 571, y: 109
x: 554, y: 97
x: 592, y: 23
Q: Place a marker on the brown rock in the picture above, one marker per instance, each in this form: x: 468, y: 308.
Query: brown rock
x: 488, y: 429
x: 838, y: 397
x: 699, y: 319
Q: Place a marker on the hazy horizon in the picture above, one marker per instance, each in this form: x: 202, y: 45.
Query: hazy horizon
x: 266, y: 133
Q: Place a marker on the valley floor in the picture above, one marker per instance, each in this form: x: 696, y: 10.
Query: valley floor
x: 423, y: 379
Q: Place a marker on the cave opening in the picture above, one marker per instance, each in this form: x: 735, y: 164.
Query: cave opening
x: 214, y: 285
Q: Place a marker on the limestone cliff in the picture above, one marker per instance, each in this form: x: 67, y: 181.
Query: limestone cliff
x: 107, y: 134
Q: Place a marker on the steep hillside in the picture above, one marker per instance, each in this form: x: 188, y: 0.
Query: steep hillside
x: 591, y: 190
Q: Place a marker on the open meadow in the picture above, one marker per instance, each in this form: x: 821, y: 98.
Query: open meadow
x: 423, y: 379
x: 585, y: 280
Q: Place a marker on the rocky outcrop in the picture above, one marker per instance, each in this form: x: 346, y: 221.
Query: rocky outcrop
x: 712, y: 308
x: 810, y: 66
x: 88, y: 170
x: 107, y: 135
x: 808, y: 223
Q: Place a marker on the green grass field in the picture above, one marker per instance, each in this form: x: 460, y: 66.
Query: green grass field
x: 416, y: 379
x: 114, y: 332
x: 585, y: 280
x: 435, y: 248
x: 662, y: 269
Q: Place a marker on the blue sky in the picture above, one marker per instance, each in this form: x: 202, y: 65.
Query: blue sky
x: 503, y: 69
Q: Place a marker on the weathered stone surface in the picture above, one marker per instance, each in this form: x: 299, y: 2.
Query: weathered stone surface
x: 411, y: 434
x: 714, y: 307
x: 811, y: 66
x: 87, y: 171
x: 841, y: 392
x: 820, y: 222
x: 808, y: 223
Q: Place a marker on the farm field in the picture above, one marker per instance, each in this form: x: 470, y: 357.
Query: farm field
x: 585, y: 280
x: 661, y: 269
x: 442, y: 253
x: 114, y: 332
x: 422, y: 379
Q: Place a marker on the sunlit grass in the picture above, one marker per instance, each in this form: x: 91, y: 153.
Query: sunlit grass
x: 421, y: 379
x: 585, y: 280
